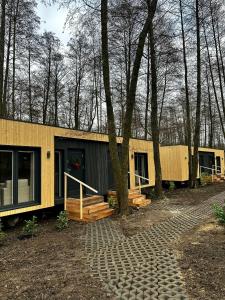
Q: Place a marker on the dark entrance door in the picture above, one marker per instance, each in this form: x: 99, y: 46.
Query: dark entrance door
x: 76, y: 168
x: 206, y: 159
x: 141, y: 166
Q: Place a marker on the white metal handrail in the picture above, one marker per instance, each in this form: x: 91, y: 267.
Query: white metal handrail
x: 218, y: 169
x: 139, y: 180
x: 82, y: 184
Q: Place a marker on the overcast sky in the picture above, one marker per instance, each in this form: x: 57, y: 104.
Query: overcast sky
x: 53, y: 19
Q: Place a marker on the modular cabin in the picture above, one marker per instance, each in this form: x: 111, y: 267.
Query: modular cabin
x: 35, y: 157
x: 174, y: 162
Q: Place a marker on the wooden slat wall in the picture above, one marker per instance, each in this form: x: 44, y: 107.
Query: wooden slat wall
x: 174, y: 161
x: 14, y: 133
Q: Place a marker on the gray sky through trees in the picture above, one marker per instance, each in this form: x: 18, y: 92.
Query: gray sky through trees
x: 53, y: 19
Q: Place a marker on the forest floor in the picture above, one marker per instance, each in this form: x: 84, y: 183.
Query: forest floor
x: 52, y: 265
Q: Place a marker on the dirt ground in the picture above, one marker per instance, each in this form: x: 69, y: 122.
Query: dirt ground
x: 202, y: 260
x: 52, y: 264
x: 48, y: 266
x: 146, y: 217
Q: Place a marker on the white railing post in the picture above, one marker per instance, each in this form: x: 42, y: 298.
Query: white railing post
x: 81, y: 201
x: 139, y: 182
x: 65, y: 190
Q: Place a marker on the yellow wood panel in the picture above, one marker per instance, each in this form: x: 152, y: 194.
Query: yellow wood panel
x: 173, y: 163
x: 15, y: 133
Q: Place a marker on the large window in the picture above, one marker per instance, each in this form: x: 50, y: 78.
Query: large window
x: 19, y: 177
x: 6, y: 178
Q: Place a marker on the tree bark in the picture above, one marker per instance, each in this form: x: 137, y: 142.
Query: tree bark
x: 198, y: 104
x: 147, y: 89
x: 154, y: 112
x: 187, y: 101
x: 2, y: 55
x: 213, y: 82
x: 120, y: 166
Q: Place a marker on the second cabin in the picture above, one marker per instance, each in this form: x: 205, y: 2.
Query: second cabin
x: 174, y: 163
x: 34, y: 159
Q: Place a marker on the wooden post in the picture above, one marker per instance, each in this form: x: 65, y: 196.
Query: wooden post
x: 81, y: 201
x: 139, y: 182
x: 65, y: 191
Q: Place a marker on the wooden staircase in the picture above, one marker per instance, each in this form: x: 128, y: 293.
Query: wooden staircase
x: 135, y: 198
x: 94, y: 208
x: 218, y: 178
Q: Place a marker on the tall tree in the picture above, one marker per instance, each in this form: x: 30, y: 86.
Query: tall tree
x: 154, y: 106
x: 120, y: 166
x: 2, y: 55
x: 188, y: 122
x: 199, y: 98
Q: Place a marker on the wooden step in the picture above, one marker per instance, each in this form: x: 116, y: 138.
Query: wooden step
x: 87, y: 201
x: 134, y: 191
x: 136, y: 196
x: 102, y: 214
x: 91, y: 217
x: 92, y: 208
x: 96, y: 207
x: 143, y: 203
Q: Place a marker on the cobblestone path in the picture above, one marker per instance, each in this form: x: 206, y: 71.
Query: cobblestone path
x: 143, y: 266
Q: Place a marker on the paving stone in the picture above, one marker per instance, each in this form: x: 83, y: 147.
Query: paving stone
x: 143, y: 266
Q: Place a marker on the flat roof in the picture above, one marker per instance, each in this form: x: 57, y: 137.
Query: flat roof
x: 67, y: 128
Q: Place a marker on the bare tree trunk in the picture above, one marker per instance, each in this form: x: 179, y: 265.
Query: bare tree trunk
x: 188, y: 123
x: 163, y: 95
x: 121, y: 192
x: 213, y: 83
x: 47, y: 91
x: 14, y: 57
x: 154, y: 113
x: 217, y: 59
x: 7, y: 61
x: 147, y: 89
x: 220, y: 51
x: 2, y: 56
x: 120, y: 166
x: 198, y: 104
x: 29, y: 85
x: 210, y: 143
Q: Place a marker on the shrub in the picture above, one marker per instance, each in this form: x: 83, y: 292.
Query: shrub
x: 219, y: 212
x: 30, y: 227
x: 2, y: 233
x: 205, y: 178
x: 172, y: 186
x: 112, y: 201
x: 62, y: 220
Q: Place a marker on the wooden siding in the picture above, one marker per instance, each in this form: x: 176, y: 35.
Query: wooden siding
x: 174, y: 161
x: 16, y: 133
